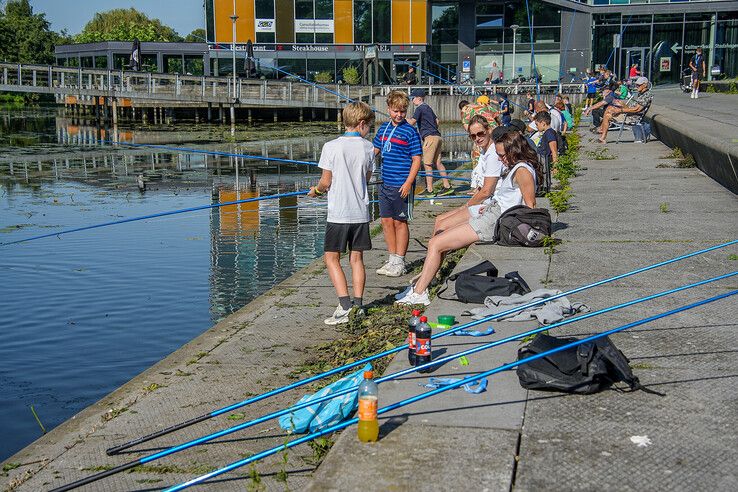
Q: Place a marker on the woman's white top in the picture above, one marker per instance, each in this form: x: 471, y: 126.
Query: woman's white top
x: 488, y: 166
x: 508, y: 192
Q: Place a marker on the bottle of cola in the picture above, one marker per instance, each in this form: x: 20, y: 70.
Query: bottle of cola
x: 423, y: 344
x: 414, y: 322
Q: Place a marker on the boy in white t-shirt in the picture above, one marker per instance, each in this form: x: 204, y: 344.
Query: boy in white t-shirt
x: 347, y: 163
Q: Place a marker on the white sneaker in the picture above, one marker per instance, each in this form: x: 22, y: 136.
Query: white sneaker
x: 404, y: 292
x: 413, y: 298
x: 384, y: 268
x: 339, y: 317
x: 395, y: 270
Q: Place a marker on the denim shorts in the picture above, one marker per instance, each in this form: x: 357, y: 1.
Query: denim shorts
x: 392, y: 205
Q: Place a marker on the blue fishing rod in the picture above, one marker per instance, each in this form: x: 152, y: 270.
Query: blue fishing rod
x: 117, y: 449
x: 443, y: 68
x: 160, y: 214
x: 389, y: 377
x: 436, y: 175
x: 533, y: 52
x: 457, y: 384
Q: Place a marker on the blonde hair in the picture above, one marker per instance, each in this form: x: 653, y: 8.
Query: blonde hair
x: 356, y: 112
x: 397, y: 99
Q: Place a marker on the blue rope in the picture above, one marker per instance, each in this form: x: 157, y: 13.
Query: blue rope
x: 444, y: 68
x: 151, y: 216
x: 428, y: 394
x: 566, y: 48
x: 437, y: 175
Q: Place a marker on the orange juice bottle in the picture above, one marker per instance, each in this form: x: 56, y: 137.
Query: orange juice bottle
x: 368, y: 399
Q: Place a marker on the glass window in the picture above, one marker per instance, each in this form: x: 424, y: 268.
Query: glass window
x: 304, y: 9
x: 265, y: 37
x: 726, y: 35
x: 606, y: 19
x: 324, y: 37
x: 172, y: 64
x: 292, y: 65
x: 304, y: 37
x: 118, y: 60
x: 382, y: 21
x: 194, y: 65
x: 264, y: 9
x: 101, y: 62
x: 664, y: 37
x: 362, y: 21
x: 445, y: 34
x: 86, y: 62
x: 148, y: 63
x: 323, y: 9
x: 668, y: 17
x: 321, y: 70
x: 703, y: 16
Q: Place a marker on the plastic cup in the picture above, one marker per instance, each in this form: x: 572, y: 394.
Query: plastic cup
x: 446, y: 319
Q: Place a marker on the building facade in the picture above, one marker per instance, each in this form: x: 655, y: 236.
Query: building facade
x: 455, y: 40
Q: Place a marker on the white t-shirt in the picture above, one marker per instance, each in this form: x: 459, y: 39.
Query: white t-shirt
x: 349, y: 159
x: 556, y: 121
x: 488, y: 166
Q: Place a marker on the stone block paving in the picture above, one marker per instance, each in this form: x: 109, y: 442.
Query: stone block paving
x: 512, y: 439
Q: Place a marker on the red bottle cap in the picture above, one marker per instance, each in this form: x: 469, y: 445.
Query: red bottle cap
x: 416, y: 312
x: 368, y: 374
x: 423, y: 319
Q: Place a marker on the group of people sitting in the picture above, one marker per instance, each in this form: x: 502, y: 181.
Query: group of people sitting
x: 618, y: 100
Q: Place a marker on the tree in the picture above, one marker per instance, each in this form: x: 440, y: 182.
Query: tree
x: 125, y: 25
x: 196, y: 36
x: 25, y: 37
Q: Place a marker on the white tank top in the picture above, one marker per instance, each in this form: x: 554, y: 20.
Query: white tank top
x: 508, y: 193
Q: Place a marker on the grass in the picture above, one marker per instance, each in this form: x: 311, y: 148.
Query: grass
x: 601, y: 154
x: 664, y: 208
x: 683, y: 161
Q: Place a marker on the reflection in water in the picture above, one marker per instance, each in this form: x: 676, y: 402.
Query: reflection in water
x: 147, y: 286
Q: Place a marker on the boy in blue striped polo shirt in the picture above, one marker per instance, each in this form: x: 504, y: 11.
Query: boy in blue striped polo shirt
x: 399, y: 144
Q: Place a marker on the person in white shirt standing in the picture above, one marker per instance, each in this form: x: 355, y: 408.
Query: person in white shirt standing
x: 347, y: 163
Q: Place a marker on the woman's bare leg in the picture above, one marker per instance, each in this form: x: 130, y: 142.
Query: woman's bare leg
x: 449, y: 240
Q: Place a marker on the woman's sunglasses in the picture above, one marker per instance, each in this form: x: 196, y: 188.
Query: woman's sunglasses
x: 474, y: 136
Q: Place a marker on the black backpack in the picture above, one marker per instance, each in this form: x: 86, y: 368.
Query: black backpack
x: 522, y: 226
x: 586, y: 368
x: 475, y: 288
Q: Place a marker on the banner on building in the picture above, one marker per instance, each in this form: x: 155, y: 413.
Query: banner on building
x: 665, y: 64
x: 314, y: 25
x: 265, y: 25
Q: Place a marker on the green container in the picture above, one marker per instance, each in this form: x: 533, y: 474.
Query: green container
x: 446, y: 319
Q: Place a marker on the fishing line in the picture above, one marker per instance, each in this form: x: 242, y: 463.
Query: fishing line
x: 337, y: 370
x: 533, y: 52
x: 160, y: 214
x: 454, y: 385
x: 389, y: 377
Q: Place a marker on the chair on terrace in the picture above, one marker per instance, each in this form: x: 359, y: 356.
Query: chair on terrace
x: 627, y: 120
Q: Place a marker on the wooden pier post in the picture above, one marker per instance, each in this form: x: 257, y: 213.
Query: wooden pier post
x: 221, y: 114
x: 210, y: 112
x: 115, y: 112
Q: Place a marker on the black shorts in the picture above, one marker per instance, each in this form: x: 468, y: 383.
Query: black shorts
x: 354, y: 236
x: 392, y: 205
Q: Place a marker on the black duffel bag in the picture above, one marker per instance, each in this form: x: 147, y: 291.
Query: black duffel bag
x: 473, y: 287
x: 586, y: 368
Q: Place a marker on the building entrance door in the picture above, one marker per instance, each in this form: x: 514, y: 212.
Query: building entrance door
x: 401, y: 62
x: 641, y: 56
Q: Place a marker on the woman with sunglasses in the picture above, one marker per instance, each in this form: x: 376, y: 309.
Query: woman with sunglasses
x: 517, y: 186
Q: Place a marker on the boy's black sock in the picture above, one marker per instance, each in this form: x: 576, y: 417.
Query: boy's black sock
x: 345, y: 302
x: 358, y: 301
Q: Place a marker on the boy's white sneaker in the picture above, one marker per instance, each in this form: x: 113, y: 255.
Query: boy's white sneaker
x: 412, y: 298
x: 395, y: 269
x: 383, y: 269
x: 404, y: 292
x: 339, y: 316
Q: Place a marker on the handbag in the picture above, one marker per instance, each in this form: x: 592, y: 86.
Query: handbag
x: 473, y: 287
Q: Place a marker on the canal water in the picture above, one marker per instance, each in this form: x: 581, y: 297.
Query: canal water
x: 82, y: 313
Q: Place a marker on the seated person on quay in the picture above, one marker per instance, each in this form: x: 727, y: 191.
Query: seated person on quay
x: 517, y: 186
x: 638, y: 103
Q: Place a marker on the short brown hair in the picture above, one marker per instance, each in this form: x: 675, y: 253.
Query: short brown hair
x: 397, y: 99
x: 356, y: 112
x: 543, y: 117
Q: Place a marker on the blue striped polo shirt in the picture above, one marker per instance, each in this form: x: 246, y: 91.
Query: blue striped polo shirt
x: 404, y: 143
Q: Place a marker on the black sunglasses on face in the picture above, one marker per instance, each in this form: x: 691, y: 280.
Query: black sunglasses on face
x: 477, y: 135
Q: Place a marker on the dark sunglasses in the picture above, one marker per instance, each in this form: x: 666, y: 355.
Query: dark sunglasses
x: 474, y: 136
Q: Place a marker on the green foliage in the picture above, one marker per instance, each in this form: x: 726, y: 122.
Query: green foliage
x: 351, y: 75
x: 196, y: 36
x: 125, y: 25
x: 25, y: 37
x: 8, y: 467
x: 320, y: 447
x: 323, y: 77
x: 664, y: 208
x: 733, y: 257
x: 255, y: 483
x: 600, y: 154
x: 559, y: 199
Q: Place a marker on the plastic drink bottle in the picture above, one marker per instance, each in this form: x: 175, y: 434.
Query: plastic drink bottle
x: 414, y: 322
x: 368, y: 399
x: 423, y: 344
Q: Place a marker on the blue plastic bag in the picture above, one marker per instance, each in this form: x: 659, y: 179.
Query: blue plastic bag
x: 325, y: 413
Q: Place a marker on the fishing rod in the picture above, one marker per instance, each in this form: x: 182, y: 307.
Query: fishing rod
x: 436, y: 175
x: 454, y: 385
x: 443, y: 68
x: 117, y: 449
x: 389, y: 377
x: 160, y: 214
